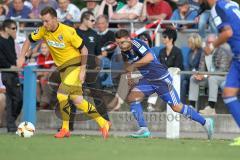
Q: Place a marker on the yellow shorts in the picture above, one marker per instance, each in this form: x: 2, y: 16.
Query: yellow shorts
x: 70, y: 83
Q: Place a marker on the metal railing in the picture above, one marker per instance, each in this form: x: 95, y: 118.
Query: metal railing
x: 116, y: 71
x: 131, y: 22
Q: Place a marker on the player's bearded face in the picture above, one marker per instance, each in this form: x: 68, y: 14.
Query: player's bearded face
x: 124, y: 44
x: 49, y: 22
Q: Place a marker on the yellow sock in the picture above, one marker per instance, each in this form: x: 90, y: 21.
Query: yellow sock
x: 65, y: 125
x: 91, y: 111
x: 64, y: 109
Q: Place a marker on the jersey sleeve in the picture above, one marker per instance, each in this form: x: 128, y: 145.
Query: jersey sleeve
x: 140, y: 47
x: 220, y: 18
x: 76, y: 40
x: 37, y: 34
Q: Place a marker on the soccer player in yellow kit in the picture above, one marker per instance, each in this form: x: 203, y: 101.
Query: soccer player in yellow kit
x: 70, y: 55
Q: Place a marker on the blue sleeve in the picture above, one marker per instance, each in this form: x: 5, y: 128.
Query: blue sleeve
x: 219, y: 17
x: 10, y: 13
x: 175, y: 15
x: 140, y: 47
x: 192, y: 15
x: 26, y: 12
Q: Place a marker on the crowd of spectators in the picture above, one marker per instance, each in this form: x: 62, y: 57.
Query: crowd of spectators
x: 93, y: 21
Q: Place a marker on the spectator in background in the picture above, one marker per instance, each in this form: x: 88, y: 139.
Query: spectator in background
x: 67, y: 11
x: 130, y: 11
x: 108, y: 7
x: 6, y: 2
x: 10, y: 80
x: 48, y: 3
x: 170, y: 55
x: 184, y: 12
x: 91, y: 41
x: 204, y: 19
x: 18, y: 10
x: 92, y: 6
x: 43, y: 91
x: 2, y: 100
x: 104, y: 59
x: 194, y: 55
x: 105, y: 35
x: 35, y: 13
x: 217, y: 61
x: 89, y: 36
x: 156, y: 9
x: 195, y: 4
x: 3, y: 12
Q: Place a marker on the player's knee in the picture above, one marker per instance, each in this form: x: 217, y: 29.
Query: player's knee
x: 130, y: 99
x: 228, y: 93
x: 177, y: 108
x: 77, y: 99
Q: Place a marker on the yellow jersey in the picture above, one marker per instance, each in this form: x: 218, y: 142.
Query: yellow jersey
x: 64, y: 43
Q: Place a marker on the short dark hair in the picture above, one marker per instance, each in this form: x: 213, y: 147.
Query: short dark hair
x: 7, y: 23
x: 170, y: 33
x: 86, y: 15
x: 122, y: 33
x: 48, y: 10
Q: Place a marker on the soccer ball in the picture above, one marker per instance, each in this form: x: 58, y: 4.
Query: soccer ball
x: 25, y: 129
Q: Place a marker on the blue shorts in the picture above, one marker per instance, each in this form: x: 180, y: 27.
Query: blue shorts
x: 163, y: 88
x: 233, y: 77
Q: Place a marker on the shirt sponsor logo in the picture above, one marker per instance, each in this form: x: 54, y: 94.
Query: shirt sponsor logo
x: 217, y: 21
x: 55, y: 44
x: 60, y: 37
x: 36, y: 31
x: 91, y: 39
x: 143, y: 49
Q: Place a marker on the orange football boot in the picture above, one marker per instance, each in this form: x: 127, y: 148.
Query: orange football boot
x: 62, y: 133
x: 105, y: 130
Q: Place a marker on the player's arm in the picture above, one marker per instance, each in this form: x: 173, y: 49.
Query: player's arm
x: 84, y: 54
x: 224, y: 35
x: 142, y: 62
x: 21, y: 58
x: 143, y: 51
x: 33, y: 37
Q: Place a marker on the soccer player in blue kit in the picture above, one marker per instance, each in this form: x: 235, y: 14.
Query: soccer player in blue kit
x: 155, y: 78
x: 226, y: 16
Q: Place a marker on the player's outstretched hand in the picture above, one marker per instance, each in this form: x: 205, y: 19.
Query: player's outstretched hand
x: 20, y: 62
x: 130, y: 80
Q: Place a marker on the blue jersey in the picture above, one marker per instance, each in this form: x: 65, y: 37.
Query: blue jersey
x: 152, y: 71
x: 226, y: 13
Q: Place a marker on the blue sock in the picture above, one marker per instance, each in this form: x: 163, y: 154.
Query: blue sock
x: 233, y: 105
x: 136, y: 109
x: 189, y: 112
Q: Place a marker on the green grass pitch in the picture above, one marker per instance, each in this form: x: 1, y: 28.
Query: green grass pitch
x: 78, y: 147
